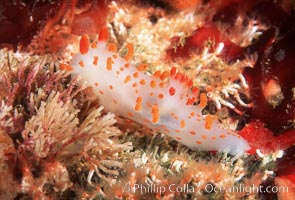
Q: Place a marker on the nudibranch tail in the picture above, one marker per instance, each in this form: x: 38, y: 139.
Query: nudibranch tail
x: 164, y: 101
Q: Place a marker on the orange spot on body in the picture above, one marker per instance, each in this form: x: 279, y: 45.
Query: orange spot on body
x: 148, y: 104
x: 127, y: 79
x: 155, y: 113
x: 182, y: 124
x: 151, y: 94
x: 81, y: 63
x: 178, y: 138
x: 172, y: 91
x: 193, y: 133
x: 135, y: 74
x: 213, y: 138
x: 204, y: 137
x: 160, y: 96
x: 153, y: 84
x: 111, y: 87
x: 65, y: 67
x: 110, y: 63
x: 130, y: 51
x: 129, y: 114
x: 112, y: 47
x: 101, y: 92
x: 222, y: 136
x: 203, y: 100
x: 84, y: 45
x: 142, y: 67
x: 162, y: 84
x: 96, y: 84
x: 209, y: 121
x: 138, y: 104
x: 95, y: 60
x: 198, y: 142
x: 104, y: 34
x: 134, y: 84
x: 127, y: 65
x: 142, y: 82
x: 115, y: 101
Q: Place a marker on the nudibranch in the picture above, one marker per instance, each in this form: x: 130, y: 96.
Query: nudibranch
x: 164, y: 102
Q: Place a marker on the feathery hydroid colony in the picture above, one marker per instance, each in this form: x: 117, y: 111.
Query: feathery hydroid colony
x: 42, y: 128
x: 150, y: 39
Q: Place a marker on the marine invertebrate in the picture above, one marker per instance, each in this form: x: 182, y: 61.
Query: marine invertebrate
x: 154, y: 100
x: 148, y: 99
x: 41, y: 127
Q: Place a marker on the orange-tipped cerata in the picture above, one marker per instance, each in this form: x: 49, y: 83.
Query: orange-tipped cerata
x: 84, y: 45
x: 104, y: 34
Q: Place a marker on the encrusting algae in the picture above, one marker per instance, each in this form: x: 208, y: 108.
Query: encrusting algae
x: 93, y: 118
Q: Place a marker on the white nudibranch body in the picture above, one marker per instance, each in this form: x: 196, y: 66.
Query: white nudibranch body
x: 163, y: 102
